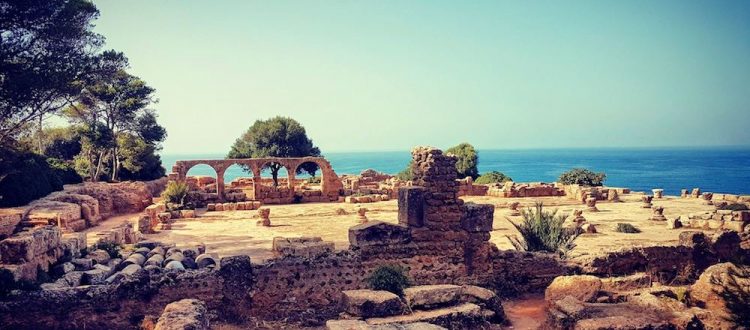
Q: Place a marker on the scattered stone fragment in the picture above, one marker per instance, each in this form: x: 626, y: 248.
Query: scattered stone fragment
x: 584, y: 288
x: 369, y: 303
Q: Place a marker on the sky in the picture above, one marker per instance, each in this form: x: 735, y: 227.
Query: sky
x: 389, y: 75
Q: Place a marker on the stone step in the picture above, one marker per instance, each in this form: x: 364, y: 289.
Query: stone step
x: 466, y: 314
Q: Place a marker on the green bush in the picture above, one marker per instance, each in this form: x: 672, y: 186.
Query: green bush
x: 466, y: 160
x: 735, y: 207
x: 112, y: 248
x: 626, y: 228
x: 175, y: 192
x: 492, y: 177
x: 543, y: 231
x: 26, y: 176
x: 390, y: 278
x: 582, y: 177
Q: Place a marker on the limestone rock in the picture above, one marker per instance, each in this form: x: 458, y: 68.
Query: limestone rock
x: 184, y: 314
x: 378, y: 233
x: 431, y: 295
x: 9, y: 220
x: 370, y: 303
x: 582, y: 287
x: 716, y: 280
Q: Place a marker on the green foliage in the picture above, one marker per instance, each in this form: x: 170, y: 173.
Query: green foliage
x: 582, y: 177
x: 64, y: 170
x: 111, y: 248
x: 467, y: 160
x: 390, y: 278
x: 175, y: 192
x: 736, y: 296
x: 406, y: 174
x: 45, y: 52
x: 626, y: 228
x: 26, y: 176
x: 492, y: 177
x: 139, y: 159
x: 544, y: 231
x: 734, y: 207
x: 276, y: 137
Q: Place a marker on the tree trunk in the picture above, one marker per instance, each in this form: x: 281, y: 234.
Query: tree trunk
x: 39, y: 140
x: 95, y: 178
x: 114, y: 163
x: 275, y: 174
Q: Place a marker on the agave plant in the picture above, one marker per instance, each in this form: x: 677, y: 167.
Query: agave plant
x: 544, y: 231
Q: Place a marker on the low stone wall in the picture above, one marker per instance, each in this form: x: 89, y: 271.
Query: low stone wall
x: 535, y: 189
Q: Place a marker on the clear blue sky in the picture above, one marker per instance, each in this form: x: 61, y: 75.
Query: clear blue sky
x: 388, y: 75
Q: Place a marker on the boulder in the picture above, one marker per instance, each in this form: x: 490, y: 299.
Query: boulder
x: 205, y: 261
x: 100, y: 256
x: 585, y: 288
x: 9, y: 220
x: 716, y: 281
x: 432, y: 295
x: 184, y: 314
x: 370, y: 303
x: 725, y: 244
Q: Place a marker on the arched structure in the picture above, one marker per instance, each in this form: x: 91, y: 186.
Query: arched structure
x: 330, y: 183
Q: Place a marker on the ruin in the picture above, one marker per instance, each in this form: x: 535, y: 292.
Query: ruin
x: 330, y: 184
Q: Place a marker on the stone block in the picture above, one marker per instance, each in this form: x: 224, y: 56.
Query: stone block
x: 8, y: 222
x: 411, y: 206
x: 307, y: 247
x: 477, y: 217
x: 378, y: 233
x: 584, y: 288
x: 370, y: 303
x: 432, y: 295
x: 184, y: 314
x: 25, y: 246
x: 187, y: 214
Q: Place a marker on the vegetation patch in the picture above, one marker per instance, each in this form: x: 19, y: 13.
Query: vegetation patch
x: 543, y: 231
x: 582, y: 177
x: 390, y: 278
x: 626, y: 228
x: 492, y: 177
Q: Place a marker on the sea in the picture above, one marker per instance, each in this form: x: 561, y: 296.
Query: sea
x: 715, y: 169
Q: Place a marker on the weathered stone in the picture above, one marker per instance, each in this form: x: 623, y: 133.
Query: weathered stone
x: 97, y: 275
x: 658, y: 193
x: 378, y: 233
x: 156, y: 260
x: 582, y: 287
x: 588, y: 228
x: 657, y: 214
x: 674, y: 223
x: 184, y: 314
x: 205, y: 261
x: 174, y: 265
x: 411, y: 206
x: 725, y: 244
x: 477, y: 217
x: 62, y: 269
x: 83, y: 263
x: 135, y: 259
x: 307, y: 247
x: 100, y: 256
x: 9, y: 220
x: 25, y: 246
x: 431, y: 295
x: 715, y: 281
x: 369, y: 303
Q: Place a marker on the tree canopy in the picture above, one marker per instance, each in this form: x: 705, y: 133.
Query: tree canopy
x: 466, y: 164
x: 492, y: 177
x: 583, y: 177
x: 276, y: 137
x: 45, y: 52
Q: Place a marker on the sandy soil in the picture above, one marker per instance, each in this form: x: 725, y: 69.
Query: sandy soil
x: 235, y: 232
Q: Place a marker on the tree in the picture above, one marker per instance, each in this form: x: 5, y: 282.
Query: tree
x: 45, y: 51
x: 492, y: 177
x: 466, y: 164
x: 406, y: 174
x: 276, y: 137
x: 116, y: 101
x: 583, y: 177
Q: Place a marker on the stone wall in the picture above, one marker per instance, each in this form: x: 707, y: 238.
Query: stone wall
x: 532, y: 189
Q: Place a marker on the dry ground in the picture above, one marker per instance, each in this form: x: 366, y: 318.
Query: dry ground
x: 235, y: 232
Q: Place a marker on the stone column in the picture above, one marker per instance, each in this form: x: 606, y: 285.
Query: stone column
x: 220, y: 184
x: 256, y: 187
x: 290, y: 180
x: 658, y: 193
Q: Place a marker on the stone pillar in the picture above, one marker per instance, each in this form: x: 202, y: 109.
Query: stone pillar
x: 658, y: 213
x: 707, y: 198
x: 684, y: 193
x: 362, y: 213
x: 411, y: 206
x: 513, y: 206
x: 256, y: 187
x: 220, y: 185
x: 646, y: 201
x: 265, y: 217
x: 591, y: 204
x: 695, y: 193
x: 290, y: 180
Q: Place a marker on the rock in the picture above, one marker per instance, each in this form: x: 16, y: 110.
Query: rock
x: 411, y: 206
x: 717, y: 280
x: 486, y: 299
x: 135, y: 258
x: 73, y: 278
x: 63, y: 269
x: 693, y: 239
x: 147, y: 244
x: 588, y: 228
x: 9, y: 220
x: 177, y: 256
x: 184, y: 314
x: 378, y: 233
x: 477, y: 217
x: 156, y: 250
x: 626, y: 283
x: 100, y: 256
x: 369, y: 303
x: 27, y: 245
x: 674, y: 223
x: 142, y: 250
x: 431, y: 295
x: 362, y: 325
x: 725, y: 244
x: 83, y: 263
x: 97, y: 275
x: 582, y: 287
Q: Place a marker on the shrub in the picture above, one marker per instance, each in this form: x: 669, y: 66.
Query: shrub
x: 543, y: 231
x: 390, y: 278
x: 735, y: 207
x: 175, y: 192
x: 492, y: 177
x: 26, y: 176
x: 112, y: 248
x: 466, y: 160
x: 583, y: 177
x: 626, y: 228
x: 406, y: 174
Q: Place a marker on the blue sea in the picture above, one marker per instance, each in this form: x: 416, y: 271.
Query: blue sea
x: 717, y: 169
